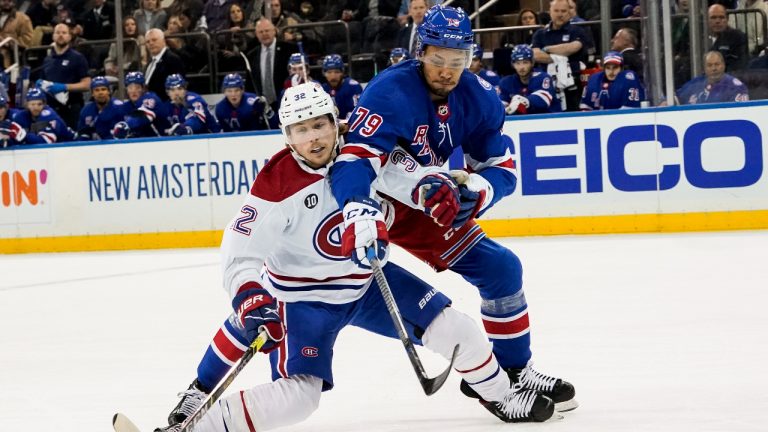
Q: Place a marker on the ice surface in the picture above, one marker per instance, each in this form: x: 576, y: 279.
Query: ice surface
x: 657, y: 333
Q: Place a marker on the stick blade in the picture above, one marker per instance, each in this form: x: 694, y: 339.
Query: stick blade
x: 121, y: 423
x: 432, y: 385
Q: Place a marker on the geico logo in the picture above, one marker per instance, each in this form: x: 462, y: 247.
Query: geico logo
x: 14, y: 186
x: 609, y: 157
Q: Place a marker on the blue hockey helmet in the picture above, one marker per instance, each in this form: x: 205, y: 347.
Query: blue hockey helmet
x: 3, y: 101
x: 446, y: 27
x: 614, y: 57
x: 99, y: 81
x: 232, y: 80
x: 175, y: 80
x: 521, y: 52
x: 134, y: 77
x: 398, y: 54
x: 477, y: 51
x: 297, y: 59
x: 35, y: 94
x: 333, y: 61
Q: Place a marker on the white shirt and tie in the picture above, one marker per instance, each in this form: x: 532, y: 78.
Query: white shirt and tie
x: 266, y: 65
x: 153, y: 64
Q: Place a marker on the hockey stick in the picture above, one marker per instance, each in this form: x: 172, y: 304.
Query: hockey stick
x: 430, y: 385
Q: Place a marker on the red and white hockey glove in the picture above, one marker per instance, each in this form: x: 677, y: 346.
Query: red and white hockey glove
x: 439, y: 194
x: 364, y: 226
x: 11, y: 129
x: 518, y: 105
x: 475, y: 193
x: 257, y: 311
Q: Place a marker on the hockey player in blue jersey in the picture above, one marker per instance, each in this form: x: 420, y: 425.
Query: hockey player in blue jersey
x: 478, y: 68
x: 243, y: 111
x: 613, y: 88
x: 714, y: 86
x: 529, y: 91
x: 99, y: 116
x: 428, y: 107
x: 143, y: 111
x: 187, y: 111
x: 318, y: 292
x: 7, y: 126
x: 397, y: 55
x: 38, y: 123
x: 344, y: 90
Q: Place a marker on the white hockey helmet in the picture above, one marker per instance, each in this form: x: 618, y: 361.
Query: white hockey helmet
x: 303, y: 102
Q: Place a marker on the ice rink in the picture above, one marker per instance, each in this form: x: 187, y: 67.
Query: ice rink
x: 657, y: 333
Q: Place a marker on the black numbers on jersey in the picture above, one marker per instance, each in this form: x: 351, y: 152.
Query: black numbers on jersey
x: 311, y: 201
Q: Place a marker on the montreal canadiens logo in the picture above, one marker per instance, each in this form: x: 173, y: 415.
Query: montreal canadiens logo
x: 327, y: 238
x: 309, y: 351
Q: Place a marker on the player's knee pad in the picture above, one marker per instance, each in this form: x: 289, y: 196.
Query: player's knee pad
x: 452, y: 327
x: 280, y: 403
x: 495, y: 270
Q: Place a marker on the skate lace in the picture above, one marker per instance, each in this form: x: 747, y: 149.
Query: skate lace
x: 518, y: 402
x: 191, y: 400
x: 531, y: 379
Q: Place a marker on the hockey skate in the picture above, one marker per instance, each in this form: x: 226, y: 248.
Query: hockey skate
x: 560, y: 391
x: 521, y: 405
x: 191, y: 400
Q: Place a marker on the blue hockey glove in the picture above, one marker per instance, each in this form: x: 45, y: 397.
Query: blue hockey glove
x: 439, y: 194
x: 364, y: 226
x: 475, y: 194
x: 56, y: 88
x: 179, y: 129
x: 121, y: 130
x: 257, y: 311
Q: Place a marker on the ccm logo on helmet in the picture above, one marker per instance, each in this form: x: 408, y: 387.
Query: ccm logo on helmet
x: 453, y: 36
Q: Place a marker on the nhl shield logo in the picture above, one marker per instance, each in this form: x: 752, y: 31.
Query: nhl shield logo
x: 443, y: 112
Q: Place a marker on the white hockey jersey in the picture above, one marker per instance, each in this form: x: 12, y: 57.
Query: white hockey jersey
x: 287, y: 236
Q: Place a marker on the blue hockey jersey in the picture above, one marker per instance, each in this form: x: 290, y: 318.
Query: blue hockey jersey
x: 346, y: 96
x: 492, y: 77
x: 194, y: 113
x: 252, y: 114
x: 396, y: 110
x: 98, y: 124
x: 46, y: 128
x: 623, y: 92
x: 540, y: 92
x: 147, y: 117
x: 728, y: 89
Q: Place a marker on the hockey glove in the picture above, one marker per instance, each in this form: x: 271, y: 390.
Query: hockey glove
x: 518, y: 105
x: 364, y: 226
x: 475, y: 194
x: 12, y: 130
x: 180, y: 129
x: 121, y: 130
x: 257, y: 311
x: 439, y: 194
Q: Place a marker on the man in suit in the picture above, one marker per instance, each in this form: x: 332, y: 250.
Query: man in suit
x: 407, y: 36
x: 163, y: 63
x: 269, y: 62
x: 625, y: 41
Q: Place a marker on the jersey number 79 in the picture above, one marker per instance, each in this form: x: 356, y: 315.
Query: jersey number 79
x: 372, y: 121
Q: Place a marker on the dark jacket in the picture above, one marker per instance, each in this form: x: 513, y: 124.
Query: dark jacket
x: 169, y: 64
x: 732, y: 43
x: 283, y: 51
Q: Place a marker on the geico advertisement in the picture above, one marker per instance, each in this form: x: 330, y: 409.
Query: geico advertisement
x: 641, y: 162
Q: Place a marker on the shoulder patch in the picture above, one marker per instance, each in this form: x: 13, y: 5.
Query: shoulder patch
x: 491, y: 73
x: 629, y: 74
x: 281, y: 178
x: 251, y: 100
x: 117, y: 102
x: 353, y: 82
x: 486, y: 85
x: 45, y: 112
x: 737, y: 82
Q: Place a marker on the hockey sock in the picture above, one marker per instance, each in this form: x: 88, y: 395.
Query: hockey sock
x: 227, y: 346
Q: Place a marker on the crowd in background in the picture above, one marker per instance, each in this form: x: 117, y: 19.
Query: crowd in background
x: 551, y: 64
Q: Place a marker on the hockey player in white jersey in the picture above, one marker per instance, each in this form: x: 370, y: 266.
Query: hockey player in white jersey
x: 285, y: 242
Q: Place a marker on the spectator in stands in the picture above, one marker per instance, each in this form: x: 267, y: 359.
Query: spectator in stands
x: 269, y: 61
x: 562, y: 47
x: 761, y: 61
x: 216, y: 13
x: 99, y: 117
x: 64, y: 76
x: 239, y: 110
x: 529, y: 91
x: 625, y: 41
x: 590, y: 9
x: 43, y: 16
x: 397, y: 55
x: 630, y: 8
x: 163, y: 63
x: 15, y: 24
x: 407, y: 36
x: 527, y: 17
x: 143, y: 111
x: 478, y: 68
x: 345, y: 91
x: 754, y: 29
x: 99, y: 21
x: 150, y: 16
x: 134, y: 51
x: 234, y: 42
x: 573, y: 12
x: 613, y: 88
x: 188, y: 112
x: 731, y: 42
x: 282, y: 18
x: 190, y: 48
x: 191, y: 8
x: 714, y: 86
x: 39, y: 123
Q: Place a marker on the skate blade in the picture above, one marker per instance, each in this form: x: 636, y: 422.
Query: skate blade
x: 566, y: 406
x: 556, y: 417
x: 121, y: 423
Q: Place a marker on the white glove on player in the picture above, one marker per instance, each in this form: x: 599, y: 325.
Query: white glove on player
x: 476, y: 195
x: 364, y: 227
x: 518, y: 104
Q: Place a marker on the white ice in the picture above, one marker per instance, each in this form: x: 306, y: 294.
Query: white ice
x: 657, y: 333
